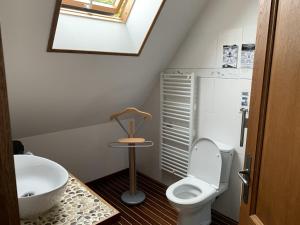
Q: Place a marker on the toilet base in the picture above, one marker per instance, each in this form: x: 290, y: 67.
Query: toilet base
x: 202, y: 216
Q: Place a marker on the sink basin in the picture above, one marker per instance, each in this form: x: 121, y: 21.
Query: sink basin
x: 40, y: 184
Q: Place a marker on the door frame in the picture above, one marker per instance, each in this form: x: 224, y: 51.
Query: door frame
x: 265, y: 37
x: 9, y: 210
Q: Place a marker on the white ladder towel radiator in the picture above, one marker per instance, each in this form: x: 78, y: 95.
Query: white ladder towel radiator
x: 177, y: 109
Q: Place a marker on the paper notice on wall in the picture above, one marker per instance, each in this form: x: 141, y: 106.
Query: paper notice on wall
x: 247, y: 56
x: 230, y: 56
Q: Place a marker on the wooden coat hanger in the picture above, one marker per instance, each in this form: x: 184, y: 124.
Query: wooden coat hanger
x: 128, y: 110
x: 132, y: 127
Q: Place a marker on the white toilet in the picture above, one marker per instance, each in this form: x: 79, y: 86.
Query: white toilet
x: 208, y: 177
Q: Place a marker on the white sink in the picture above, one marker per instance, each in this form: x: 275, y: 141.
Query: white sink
x: 40, y: 184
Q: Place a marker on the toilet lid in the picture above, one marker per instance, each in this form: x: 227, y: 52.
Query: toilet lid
x: 206, y: 162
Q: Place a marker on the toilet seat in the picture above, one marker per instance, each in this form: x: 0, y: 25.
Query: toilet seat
x: 189, y: 191
x: 205, y: 162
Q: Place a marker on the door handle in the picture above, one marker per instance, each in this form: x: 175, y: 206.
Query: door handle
x: 244, y: 175
x: 244, y: 125
x: 241, y: 176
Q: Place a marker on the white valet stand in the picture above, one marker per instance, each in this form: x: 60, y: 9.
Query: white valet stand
x: 132, y: 196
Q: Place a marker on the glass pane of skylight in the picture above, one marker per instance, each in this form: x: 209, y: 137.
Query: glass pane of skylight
x: 107, y: 2
x: 83, y: 1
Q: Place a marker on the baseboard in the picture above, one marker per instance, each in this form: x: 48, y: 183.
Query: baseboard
x: 107, y: 177
x: 221, y: 219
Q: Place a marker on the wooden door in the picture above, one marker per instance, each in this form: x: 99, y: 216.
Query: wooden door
x: 9, y: 213
x: 274, y: 123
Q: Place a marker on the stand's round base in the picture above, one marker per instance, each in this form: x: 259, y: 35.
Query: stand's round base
x: 133, y: 199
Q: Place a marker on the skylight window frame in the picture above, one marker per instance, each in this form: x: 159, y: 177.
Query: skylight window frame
x: 96, y: 7
x: 78, y: 9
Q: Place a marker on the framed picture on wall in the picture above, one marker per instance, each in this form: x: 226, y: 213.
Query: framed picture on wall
x: 247, y: 55
x: 230, y: 56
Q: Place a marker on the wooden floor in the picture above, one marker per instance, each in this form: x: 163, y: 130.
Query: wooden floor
x: 156, y: 209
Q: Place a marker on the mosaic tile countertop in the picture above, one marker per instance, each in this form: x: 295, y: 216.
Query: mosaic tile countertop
x: 79, y: 206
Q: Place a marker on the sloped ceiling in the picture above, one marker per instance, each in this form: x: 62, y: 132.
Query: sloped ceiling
x: 55, y: 91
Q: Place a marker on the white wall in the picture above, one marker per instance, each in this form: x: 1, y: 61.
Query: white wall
x: 219, y: 118
x: 221, y: 22
x: 83, y: 151
x: 219, y: 93
x: 50, y: 92
x: 148, y: 159
x: 92, y: 35
x: 140, y: 20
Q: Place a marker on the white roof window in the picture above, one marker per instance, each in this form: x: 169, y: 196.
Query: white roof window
x: 116, y: 27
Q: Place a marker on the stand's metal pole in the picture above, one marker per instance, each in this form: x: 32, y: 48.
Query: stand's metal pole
x: 132, y: 197
x: 132, y: 169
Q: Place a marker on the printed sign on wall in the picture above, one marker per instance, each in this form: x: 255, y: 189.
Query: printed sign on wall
x: 230, y: 56
x: 247, y: 57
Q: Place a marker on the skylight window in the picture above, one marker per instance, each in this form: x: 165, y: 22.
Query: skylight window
x: 112, y: 10
x: 89, y: 26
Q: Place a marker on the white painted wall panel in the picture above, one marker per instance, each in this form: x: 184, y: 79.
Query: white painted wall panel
x: 229, y: 21
x: 220, y: 119
x: 140, y: 20
x: 80, y: 33
x: 83, y: 151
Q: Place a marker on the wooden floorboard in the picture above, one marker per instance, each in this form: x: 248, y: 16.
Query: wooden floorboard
x: 156, y: 209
